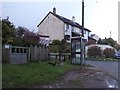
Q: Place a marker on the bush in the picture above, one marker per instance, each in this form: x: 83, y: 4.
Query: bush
x: 109, y: 52
x: 54, y: 48
x: 94, y: 52
x: 58, y: 45
x: 56, y: 42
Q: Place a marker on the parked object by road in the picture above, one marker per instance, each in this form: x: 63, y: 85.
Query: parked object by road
x: 117, y: 54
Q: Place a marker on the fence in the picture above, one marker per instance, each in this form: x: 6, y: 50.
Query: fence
x: 37, y: 53
x: 20, y: 55
x: 57, y: 56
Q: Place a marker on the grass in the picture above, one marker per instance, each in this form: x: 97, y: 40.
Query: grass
x: 15, y: 76
x: 102, y: 59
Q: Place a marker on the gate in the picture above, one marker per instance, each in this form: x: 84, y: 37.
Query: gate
x: 18, y: 55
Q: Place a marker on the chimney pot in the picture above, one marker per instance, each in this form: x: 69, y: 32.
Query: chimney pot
x: 73, y: 18
x: 54, y: 10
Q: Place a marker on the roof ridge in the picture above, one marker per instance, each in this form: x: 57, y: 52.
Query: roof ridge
x: 66, y: 20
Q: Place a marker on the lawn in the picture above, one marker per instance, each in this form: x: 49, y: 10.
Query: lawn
x: 14, y: 76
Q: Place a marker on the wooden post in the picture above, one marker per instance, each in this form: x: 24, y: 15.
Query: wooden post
x: 59, y: 56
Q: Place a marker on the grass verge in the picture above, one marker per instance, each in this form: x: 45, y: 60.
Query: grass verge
x: 103, y: 59
x: 15, y: 76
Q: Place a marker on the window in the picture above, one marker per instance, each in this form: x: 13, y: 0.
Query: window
x: 80, y: 31
x: 67, y: 37
x: 84, y: 31
x: 72, y: 28
x: 67, y: 26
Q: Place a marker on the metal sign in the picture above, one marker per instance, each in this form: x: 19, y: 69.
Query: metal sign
x: 7, y: 46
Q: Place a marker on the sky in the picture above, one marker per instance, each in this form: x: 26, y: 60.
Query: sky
x: 101, y: 16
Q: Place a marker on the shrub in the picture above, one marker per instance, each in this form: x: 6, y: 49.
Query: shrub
x: 54, y: 48
x: 58, y: 45
x: 56, y: 42
x: 94, y: 52
x: 109, y: 52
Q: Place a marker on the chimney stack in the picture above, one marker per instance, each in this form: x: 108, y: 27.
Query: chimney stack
x: 54, y: 10
x: 73, y: 19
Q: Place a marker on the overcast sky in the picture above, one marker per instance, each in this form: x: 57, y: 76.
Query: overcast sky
x: 101, y: 16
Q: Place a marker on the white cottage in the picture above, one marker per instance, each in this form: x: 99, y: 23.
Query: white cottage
x: 59, y: 27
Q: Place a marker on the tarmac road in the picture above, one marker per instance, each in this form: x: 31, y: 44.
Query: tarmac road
x: 106, y: 66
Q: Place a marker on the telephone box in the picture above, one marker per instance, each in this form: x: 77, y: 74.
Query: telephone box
x: 77, y: 50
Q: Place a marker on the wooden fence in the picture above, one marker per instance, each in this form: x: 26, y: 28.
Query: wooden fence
x: 58, y: 56
x: 20, y: 55
x: 38, y: 53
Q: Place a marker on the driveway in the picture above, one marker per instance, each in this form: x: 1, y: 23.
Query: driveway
x: 109, y: 67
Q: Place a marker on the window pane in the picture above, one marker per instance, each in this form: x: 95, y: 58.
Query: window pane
x: 67, y: 26
x: 72, y: 29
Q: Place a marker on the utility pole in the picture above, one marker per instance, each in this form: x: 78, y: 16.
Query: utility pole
x: 82, y: 41
x: 83, y: 18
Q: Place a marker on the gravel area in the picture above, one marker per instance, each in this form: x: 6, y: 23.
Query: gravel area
x: 83, y: 78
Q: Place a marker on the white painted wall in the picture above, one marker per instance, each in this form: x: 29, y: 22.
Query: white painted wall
x: 95, y: 37
x: 86, y: 35
x: 52, y: 27
x: 56, y: 29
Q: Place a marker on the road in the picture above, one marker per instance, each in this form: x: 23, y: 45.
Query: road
x: 109, y: 67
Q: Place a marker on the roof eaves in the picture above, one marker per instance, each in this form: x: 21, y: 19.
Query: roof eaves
x: 43, y: 19
x: 65, y: 20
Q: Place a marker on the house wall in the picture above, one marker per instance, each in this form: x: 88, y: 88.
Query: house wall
x: 86, y: 34
x: 52, y: 27
x: 96, y: 37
